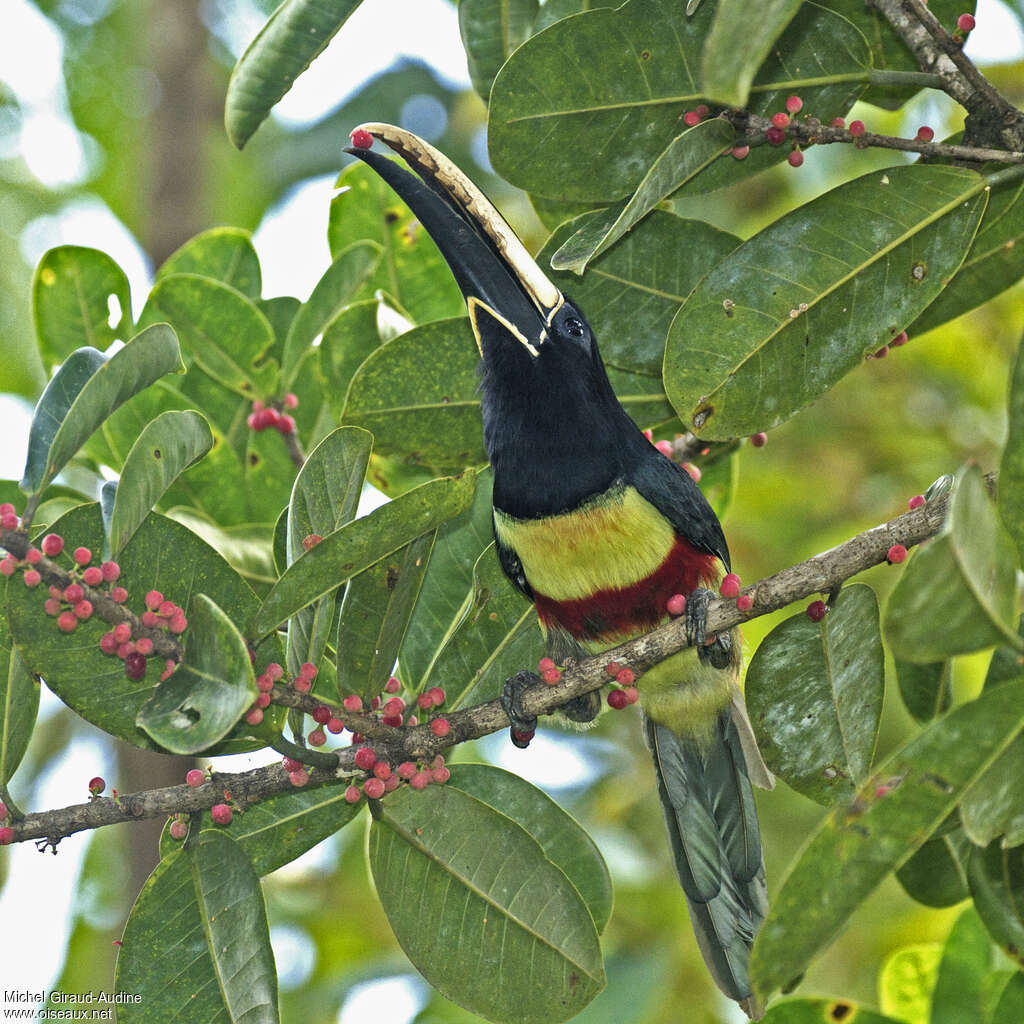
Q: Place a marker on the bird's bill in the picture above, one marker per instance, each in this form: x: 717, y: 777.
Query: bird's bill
x: 490, y: 264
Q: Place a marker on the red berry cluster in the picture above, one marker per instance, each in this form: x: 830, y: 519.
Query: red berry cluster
x: 274, y: 673
x: 385, y: 779
x: 694, y: 117
x: 626, y: 678
x: 668, y: 450
x: 266, y: 415
x: 159, y: 614
x: 549, y: 671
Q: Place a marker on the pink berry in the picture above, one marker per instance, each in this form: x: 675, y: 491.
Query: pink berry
x: 392, y: 685
x: 275, y: 671
x: 221, y: 814
x: 665, y: 447
x: 9, y: 521
x: 966, y: 23
x: 744, y: 602
x: 264, y: 683
x: 195, y: 778
x: 178, y: 829
x: 694, y: 471
x: 365, y: 758
x: 8, y: 566
x: 406, y: 770
x: 97, y: 785
x: 857, y: 128
x: 424, y: 702
x: 33, y: 556
x: 135, y: 665
x: 66, y: 622
x: 291, y: 400
x: 254, y: 716
x: 617, y: 699
x: 302, y: 684
x: 92, y: 576
x: 740, y: 152
x: 153, y: 600
x: 6, y: 509
x: 322, y: 714
x: 552, y: 676
x: 775, y: 136
x: 286, y: 424
x: 420, y: 780
x: 382, y: 770
x: 437, y: 695
x: 123, y: 632
x: 353, y: 702
x: 361, y: 138
x: 780, y: 120
x: 794, y: 104
x: 298, y: 779
x: 82, y: 556
x: 440, y: 726
x: 144, y: 645
x: 730, y: 585
x: 838, y: 122
x: 896, y: 554
x: 317, y: 738
x: 394, y: 706
x: 612, y: 668
x: 702, y: 110
x: 925, y: 134
x: 166, y: 609
x: 311, y: 540
x: 123, y: 650
x: 352, y: 795
x: 690, y: 118
x: 108, y: 645
x: 676, y: 605
x: 110, y: 571
x: 795, y: 158
x: 625, y: 677
x: 290, y: 764
x: 546, y: 664
x: 440, y: 775
x: 335, y: 725
x: 816, y: 611
x: 82, y: 610
x: 178, y: 624
x: 881, y: 353
x: 632, y: 694
x: 6, y: 836
x: 900, y: 339
x: 33, y: 579
x: 262, y: 699
x: 373, y: 788
x: 916, y: 501
x: 73, y: 593
x: 759, y: 440
x: 392, y: 721
x: 119, y: 595
x: 52, y: 606
x: 308, y: 669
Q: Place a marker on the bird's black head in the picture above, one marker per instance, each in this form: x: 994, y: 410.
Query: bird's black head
x: 553, y: 428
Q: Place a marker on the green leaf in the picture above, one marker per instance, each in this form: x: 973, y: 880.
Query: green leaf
x: 814, y: 691
x: 606, y: 92
x: 958, y: 593
x: 996, y: 876
x: 995, y: 805
x: 685, y: 156
x: 823, y: 1011
x: 445, y: 593
x: 994, y: 262
x: 859, y: 843
x: 960, y: 984
x: 223, y: 254
x: 162, y: 555
x: 168, y: 446
x: 348, y: 339
x: 564, y: 842
x: 324, y: 498
x: 198, y: 938
x: 782, y: 318
x: 490, y: 32
x: 19, y: 703
x: 936, y: 874
x: 200, y: 702
x: 333, y: 292
x: 1011, y: 1001
x: 927, y: 689
x: 219, y: 327
x: 275, y: 831
x: 296, y: 33
x: 374, y: 616
x: 1010, y: 495
x: 346, y: 552
x: 412, y: 270
x: 71, y: 301
x: 907, y: 980
x: 496, y: 927
x: 85, y: 391
x: 736, y: 46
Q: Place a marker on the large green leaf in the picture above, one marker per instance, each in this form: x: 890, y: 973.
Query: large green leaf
x: 495, y: 926
x: 736, y: 46
x: 936, y: 875
x: 685, y: 156
x: 348, y: 339
x: 600, y: 95
x: 563, y: 840
x: 274, y: 831
x: 199, y: 704
x: 296, y: 33
x: 490, y: 32
x: 374, y: 616
x: 224, y: 254
x: 782, y: 318
x: 71, y: 301
x: 86, y: 390
x: 814, y: 691
x: 412, y: 270
x: 197, y: 945
x: 19, y: 702
x: 1011, y: 1001
x: 324, y: 497
x: 926, y: 689
x: 345, y: 552
x: 959, y: 592
x: 996, y: 876
x: 1010, y: 495
x: 995, y: 805
x: 219, y: 327
x: 630, y: 293
x: 960, y: 988
x: 333, y: 292
x: 168, y: 446
x: 162, y: 555
x: 859, y: 843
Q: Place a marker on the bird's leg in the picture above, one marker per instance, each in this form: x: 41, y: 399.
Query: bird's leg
x: 523, y: 726
x: 718, y: 651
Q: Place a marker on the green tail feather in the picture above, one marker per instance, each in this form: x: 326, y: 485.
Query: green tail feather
x: 712, y: 826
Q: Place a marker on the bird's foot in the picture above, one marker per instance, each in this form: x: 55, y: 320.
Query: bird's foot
x: 522, y: 726
x: 715, y: 650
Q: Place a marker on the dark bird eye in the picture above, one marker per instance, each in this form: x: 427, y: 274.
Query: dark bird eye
x: 574, y: 327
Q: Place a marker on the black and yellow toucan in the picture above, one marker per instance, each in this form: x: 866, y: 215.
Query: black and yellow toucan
x: 599, y: 530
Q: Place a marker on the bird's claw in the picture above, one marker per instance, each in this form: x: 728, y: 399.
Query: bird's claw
x: 715, y: 650
x: 522, y: 726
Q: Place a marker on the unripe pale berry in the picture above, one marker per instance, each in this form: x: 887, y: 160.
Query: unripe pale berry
x: 838, y: 122
x: 66, y: 622
x: 916, y: 501
x: 82, y: 556
x: 816, y: 611
x: 857, y: 128
x: 896, y: 554
x: 617, y: 699
x: 365, y: 758
x: 361, y: 138
x: 33, y: 579
x: 352, y: 795
x: 440, y: 726
x: 632, y: 694
x: 730, y: 585
x: 178, y: 829
x: 759, y: 440
x: 97, y: 785
x: 195, y: 778
x: 744, y: 603
x: 676, y: 605
x: 694, y: 471
x: 221, y: 814
x: 291, y: 400
x: 110, y: 571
